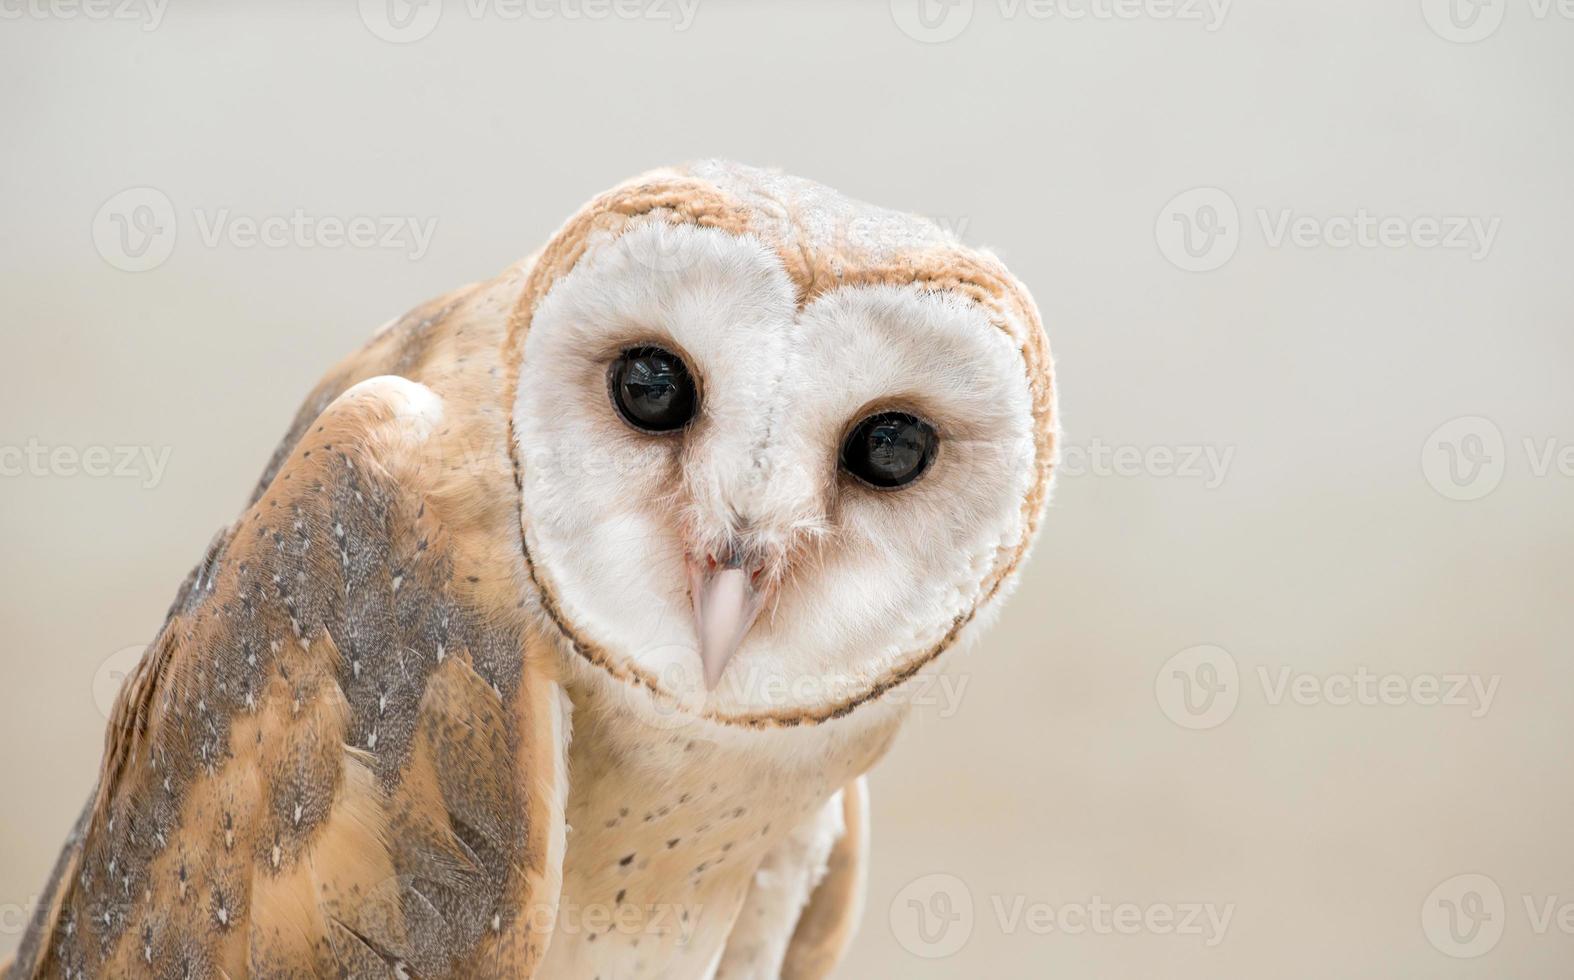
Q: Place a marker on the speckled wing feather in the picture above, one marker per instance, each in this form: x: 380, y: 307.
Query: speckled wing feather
x: 342, y: 756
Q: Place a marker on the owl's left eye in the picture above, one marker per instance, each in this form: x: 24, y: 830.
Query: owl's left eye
x: 653, y: 390
x: 889, y: 450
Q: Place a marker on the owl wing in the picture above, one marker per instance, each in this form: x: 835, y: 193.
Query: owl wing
x: 342, y: 756
x: 826, y: 927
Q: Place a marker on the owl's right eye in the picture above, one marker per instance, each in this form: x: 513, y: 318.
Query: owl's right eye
x: 653, y: 390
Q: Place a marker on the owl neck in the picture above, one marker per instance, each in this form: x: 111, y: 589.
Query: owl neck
x: 675, y: 761
x: 673, y: 819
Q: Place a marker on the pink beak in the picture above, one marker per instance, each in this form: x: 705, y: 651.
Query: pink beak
x: 726, y: 604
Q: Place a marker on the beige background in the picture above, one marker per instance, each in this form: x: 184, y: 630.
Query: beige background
x: 1325, y: 371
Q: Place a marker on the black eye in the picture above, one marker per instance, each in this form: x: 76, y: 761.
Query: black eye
x: 652, y: 389
x: 889, y: 450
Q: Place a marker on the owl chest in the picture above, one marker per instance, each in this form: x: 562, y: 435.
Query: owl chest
x: 663, y: 844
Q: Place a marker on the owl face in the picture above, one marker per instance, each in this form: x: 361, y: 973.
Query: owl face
x: 759, y: 505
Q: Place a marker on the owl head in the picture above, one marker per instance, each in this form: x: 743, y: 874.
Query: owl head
x: 777, y: 450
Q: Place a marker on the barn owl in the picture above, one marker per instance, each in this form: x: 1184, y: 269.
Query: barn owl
x: 562, y: 628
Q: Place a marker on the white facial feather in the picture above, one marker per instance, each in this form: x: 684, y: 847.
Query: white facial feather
x: 868, y: 579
